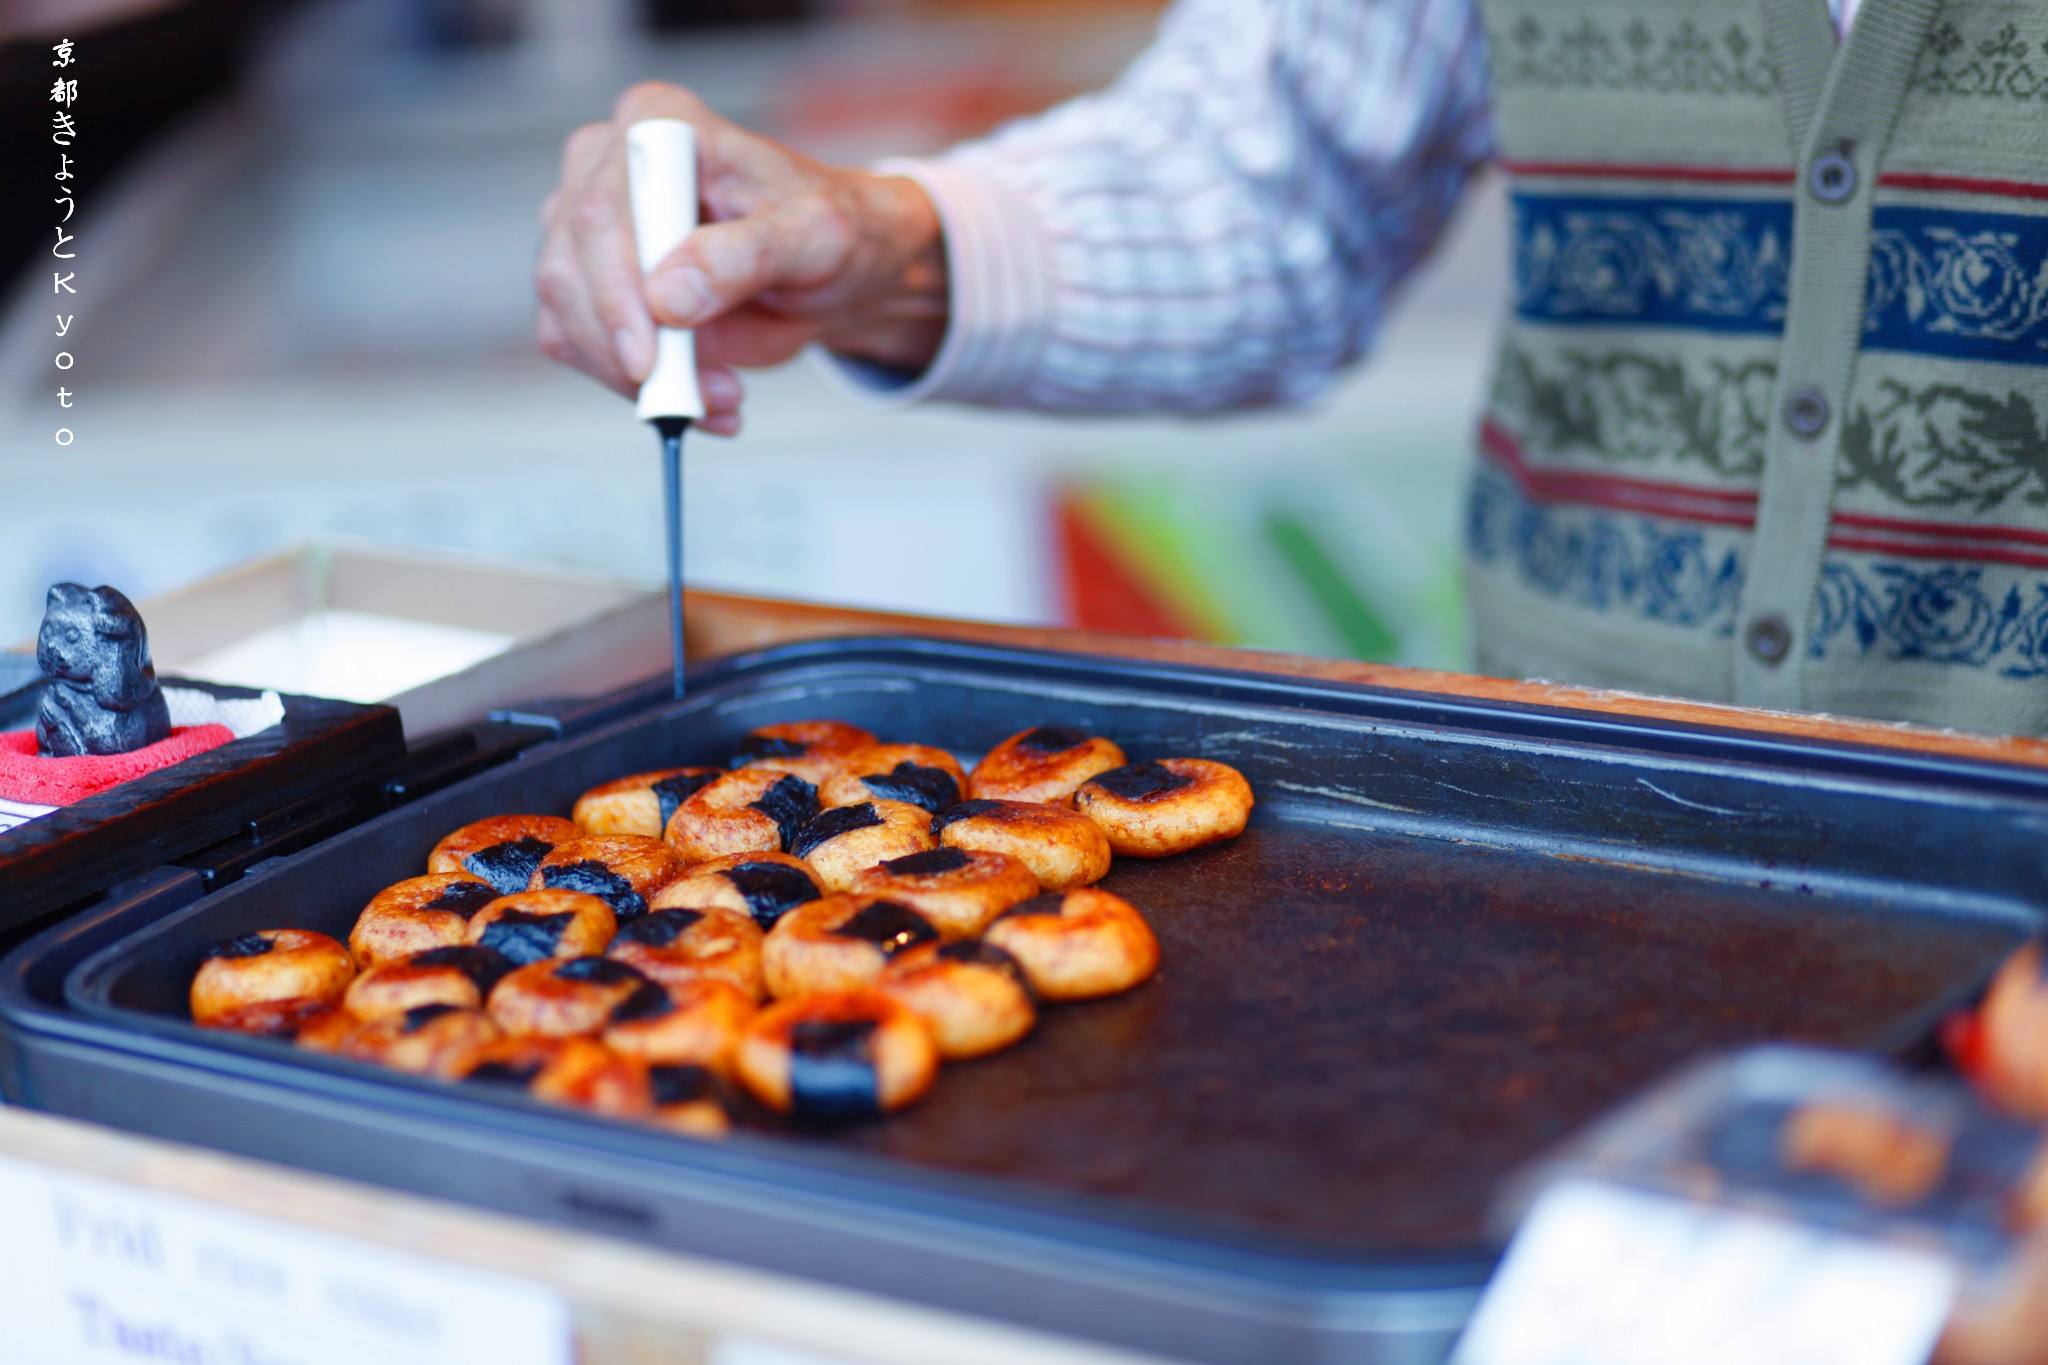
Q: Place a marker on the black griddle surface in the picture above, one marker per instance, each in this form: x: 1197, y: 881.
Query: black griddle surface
x: 1351, y: 1037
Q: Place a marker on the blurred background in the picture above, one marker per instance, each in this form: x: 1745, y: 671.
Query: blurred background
x: 306, y: 230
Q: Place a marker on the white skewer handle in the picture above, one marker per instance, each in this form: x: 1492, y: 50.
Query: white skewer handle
x: 661, y: 173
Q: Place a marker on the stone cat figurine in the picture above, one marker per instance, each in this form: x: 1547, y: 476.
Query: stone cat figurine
x: 101, y: 695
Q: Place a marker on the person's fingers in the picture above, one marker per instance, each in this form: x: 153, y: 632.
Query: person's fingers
x: 565, y: 297
x: 774, y: 229
x: 659, y: 99
x: 575, y: 333
x: 753, y: 338
x: 564, y: 329
x: 596, y: 211
x: 601, y: 233
x: 723, y: 392
x: 797, y: 244
x: 554, y: 341
x: 555, y: 345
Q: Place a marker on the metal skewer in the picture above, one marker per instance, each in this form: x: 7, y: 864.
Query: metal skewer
x: 661, y: 174
x: 672, y: 429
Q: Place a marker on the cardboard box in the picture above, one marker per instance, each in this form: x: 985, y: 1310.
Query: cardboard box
x: 445, y: 640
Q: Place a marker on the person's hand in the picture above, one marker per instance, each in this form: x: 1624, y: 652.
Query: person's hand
x: 791, y: 251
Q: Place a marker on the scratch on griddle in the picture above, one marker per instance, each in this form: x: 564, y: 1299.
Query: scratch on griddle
x: 1263, y: 738
x: 1334, y: 793
x: 1695, y: 805
x: 1465, y: 791
x: 1363, y: 826
x: 1338, y: 794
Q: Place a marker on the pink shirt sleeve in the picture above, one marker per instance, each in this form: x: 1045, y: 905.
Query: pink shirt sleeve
x: 1223, y: 227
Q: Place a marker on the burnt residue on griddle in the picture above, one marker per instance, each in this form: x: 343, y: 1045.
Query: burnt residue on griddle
x: 518, y: 1074
x: 483, y: 966
x: 595, y: 879
x: 973, y: 952
x: 887, y: 925
x: 526, y: 938
x: 419, y: 1016
x: 1051, y: 739
x: 659, y: 929
x: 965, y: 810
x: 790, y: 803
x: 1140, y: 781
x: 932, y: 788
x: 933, y: 862
x: 771, y: 890
x: 1045, y: 903
x: 464, y: 898
x: 671, y: 792
x: 755, y: 748
x: 832, y: 1070
x: 1449, y: 1009
x: 242, y: 945
x: 829, y: 825
x: 599, y: 971
x: 682, y: 1084
x: 648, y: 1001
x: 508, y: 866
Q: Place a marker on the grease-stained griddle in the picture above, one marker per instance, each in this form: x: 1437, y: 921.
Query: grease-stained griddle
x: 1354, y: 1037
x: 1454, y: 933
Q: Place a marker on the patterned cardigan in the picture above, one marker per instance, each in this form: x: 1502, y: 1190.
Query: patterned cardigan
x: 1770, y: 417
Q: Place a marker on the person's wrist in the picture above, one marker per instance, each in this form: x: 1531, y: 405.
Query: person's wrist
x: 901, y: 318
x: 910, y: 224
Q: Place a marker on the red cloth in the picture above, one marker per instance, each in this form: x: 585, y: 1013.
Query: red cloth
x: 38, y: 781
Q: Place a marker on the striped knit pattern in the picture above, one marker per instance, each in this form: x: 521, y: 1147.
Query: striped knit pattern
x: 1224, y: 225
x: 1636, y: 398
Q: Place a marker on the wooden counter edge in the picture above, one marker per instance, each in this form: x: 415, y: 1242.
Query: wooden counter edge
x: 722, y: 623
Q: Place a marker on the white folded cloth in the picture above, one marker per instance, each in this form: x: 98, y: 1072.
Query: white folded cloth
x: 244, y: 716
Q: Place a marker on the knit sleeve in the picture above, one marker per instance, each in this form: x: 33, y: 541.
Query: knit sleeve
x: 1221, y: 228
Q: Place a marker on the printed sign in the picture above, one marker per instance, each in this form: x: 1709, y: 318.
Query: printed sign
x: 1604, y: 1276
x: 94, y: 1272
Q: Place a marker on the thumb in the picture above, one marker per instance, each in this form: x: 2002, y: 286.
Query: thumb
x: 723, y: 266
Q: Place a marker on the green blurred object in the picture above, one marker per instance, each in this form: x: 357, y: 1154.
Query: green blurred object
x: 1329, y: 558
x: 1364, y: 634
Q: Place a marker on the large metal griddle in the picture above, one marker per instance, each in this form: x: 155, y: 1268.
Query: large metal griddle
x: 1455, y: 932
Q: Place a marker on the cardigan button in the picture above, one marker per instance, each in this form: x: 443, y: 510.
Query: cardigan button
x: 1806, y: 413
x: 1832, y: 178
x: 1768, y: 638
